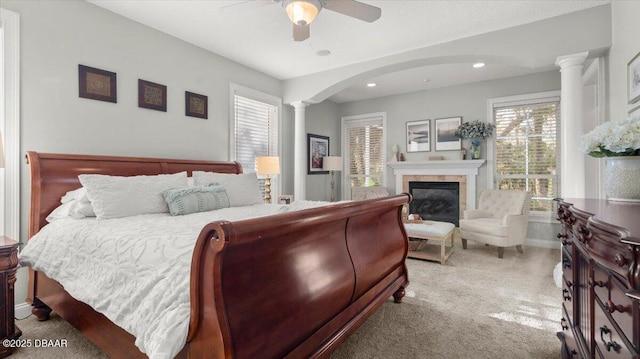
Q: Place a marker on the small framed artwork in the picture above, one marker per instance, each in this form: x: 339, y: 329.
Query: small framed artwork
x: 445, y: 135
x: 633, y: 78
x: 285, y: 199
x: 418, y: 136
x: 152, y: 95
x: 97, y: 84
x: 195, y: 105
x: 317, y: 147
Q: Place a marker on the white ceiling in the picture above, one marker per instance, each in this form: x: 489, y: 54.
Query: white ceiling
x: 260, y: 36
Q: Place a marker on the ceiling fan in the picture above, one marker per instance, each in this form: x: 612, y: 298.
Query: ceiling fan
x: 303, y: 12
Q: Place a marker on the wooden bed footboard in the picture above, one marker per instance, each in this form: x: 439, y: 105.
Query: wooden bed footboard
x: 314, y: 276
x: 291, y: 285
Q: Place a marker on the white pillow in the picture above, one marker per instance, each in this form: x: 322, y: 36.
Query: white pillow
x: 116, y: 196
x: 242, y: 189
x: 75, y: 204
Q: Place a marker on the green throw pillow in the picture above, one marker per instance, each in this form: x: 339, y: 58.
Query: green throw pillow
x: 189, y: 200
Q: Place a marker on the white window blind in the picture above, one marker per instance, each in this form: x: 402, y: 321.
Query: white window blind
x: 365, y: 152
x: 526, y: 149
x: 256, y: 131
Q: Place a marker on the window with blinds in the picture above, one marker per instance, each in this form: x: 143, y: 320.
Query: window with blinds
x: 526, y: 149
x: 255, y: 133
x: 364, y: 142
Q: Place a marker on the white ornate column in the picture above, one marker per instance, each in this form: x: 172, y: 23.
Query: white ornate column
x: 299, y: 155
x: 572, y: 162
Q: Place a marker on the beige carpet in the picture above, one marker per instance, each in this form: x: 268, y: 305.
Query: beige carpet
x: 476, y: 306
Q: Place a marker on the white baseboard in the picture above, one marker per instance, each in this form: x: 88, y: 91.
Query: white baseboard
x: 22, y: 310
x: 533, y: 242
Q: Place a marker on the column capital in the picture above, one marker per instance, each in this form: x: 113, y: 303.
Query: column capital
x: 299, y: 105
x: 571, y: 60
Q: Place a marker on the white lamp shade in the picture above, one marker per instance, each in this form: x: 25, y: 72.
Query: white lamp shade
x: 332, y: 163
x: 268, y: 165
x: 302, y: 12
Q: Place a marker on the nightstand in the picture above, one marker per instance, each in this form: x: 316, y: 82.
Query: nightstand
x: 8, y: 266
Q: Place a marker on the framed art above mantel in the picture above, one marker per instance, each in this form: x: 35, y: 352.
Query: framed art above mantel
x: 446, y: 139
x: 419, y: 136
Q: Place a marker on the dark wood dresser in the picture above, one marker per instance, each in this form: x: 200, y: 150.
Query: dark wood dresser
x: 601, y: 278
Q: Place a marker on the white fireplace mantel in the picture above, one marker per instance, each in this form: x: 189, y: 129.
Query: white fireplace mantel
x: 468, y: 168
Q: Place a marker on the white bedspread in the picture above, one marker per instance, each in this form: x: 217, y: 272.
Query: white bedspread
x: 135, y: 270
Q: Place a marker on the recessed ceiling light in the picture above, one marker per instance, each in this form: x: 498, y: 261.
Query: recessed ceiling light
x: 323, y: 53
x: 371, y: 84
x: 478, y: 65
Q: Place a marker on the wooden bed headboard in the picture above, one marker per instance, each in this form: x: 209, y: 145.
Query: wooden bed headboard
x: 53, y: 175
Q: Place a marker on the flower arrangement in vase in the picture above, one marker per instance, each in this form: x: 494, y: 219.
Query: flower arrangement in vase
x: 618, y: 142
x: 475, y: 130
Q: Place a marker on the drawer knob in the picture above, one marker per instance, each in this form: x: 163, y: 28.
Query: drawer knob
x: 563, y: 325
x: 620, y: 260
x: 565, y: 294
x: 611, y: 344
x: 612, y: 307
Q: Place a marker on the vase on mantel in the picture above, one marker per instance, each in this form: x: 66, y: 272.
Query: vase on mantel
x: 622, y: 178
x: 474, y: 153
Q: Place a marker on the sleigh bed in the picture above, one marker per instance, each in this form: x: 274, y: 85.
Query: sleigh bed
x: 327, y: 268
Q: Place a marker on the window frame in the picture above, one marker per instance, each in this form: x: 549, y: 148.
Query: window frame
x: 534, y: 216
x: 345, y: 120
x: 235, y: 89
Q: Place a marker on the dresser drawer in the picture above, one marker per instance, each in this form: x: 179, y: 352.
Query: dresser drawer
x: 567, y: 301
x: 569, y: 346
x: 609, y: 342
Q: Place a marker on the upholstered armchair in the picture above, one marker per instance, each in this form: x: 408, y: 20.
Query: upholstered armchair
x: 500, y: 220
x: 362, y: 193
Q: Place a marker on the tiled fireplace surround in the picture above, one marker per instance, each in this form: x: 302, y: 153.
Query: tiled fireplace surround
x: 462, y: 171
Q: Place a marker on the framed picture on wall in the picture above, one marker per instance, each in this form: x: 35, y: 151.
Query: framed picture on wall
x: 195, y: 105
x: 445, y: 137
x: 418, y: 136
x: 97, y: 84
x: 633, y: 78
x: 317, y: 148
x: 152, y: 95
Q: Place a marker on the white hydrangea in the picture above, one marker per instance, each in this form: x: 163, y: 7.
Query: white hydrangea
x: 613, y: 138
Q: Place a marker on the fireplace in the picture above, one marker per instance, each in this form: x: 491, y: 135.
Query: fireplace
x: 462, y: 172
x: 436, y: 201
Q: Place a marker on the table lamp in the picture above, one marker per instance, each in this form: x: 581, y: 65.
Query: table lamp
x: 332, y: 163
x: 267, y: 165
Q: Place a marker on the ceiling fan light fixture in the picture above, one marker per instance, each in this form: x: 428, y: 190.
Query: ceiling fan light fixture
x: 302, y: 12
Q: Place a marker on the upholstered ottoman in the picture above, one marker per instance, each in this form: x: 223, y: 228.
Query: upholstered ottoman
x: 431, y: 230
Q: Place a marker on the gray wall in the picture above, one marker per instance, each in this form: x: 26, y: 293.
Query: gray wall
x: 323, y: 119
x: 468, y: 101
x: 56, y: 36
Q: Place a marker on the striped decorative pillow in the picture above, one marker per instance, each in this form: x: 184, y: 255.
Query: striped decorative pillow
x: 189, y: 200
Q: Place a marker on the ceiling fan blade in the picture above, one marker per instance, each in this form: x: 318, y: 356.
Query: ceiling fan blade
x: 354, y: 8
x: 300, y: 32
x: 245, y: 5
